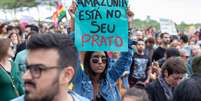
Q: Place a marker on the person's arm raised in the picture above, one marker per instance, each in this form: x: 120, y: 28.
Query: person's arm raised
x: 130, y: 16
x: 122, y: 64
x: 72, y: 10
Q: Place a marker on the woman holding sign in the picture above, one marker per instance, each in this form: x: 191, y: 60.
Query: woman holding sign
x: 97, y: 79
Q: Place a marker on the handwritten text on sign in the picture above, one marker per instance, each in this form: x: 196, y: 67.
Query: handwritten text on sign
x: 101, y: 25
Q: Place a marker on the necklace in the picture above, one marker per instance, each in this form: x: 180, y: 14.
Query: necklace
x: 12, y: 81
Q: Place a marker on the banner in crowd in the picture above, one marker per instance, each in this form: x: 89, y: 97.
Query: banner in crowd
x: 101, y: 25
x: 168, y: 26
x: 58, y: 15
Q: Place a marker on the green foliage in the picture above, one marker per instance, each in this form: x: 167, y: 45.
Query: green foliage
x: 143, y: 24
x: 12, y: 4
x: 183, y: 26
x: 6, y: 3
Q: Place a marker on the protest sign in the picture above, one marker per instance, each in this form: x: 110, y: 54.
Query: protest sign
x: 101, y: 25
x: 168, y: 26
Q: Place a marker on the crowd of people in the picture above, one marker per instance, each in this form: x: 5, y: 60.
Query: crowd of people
x: 37, y: 64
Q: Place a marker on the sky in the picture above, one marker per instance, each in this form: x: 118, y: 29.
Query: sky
x: 188, y: 11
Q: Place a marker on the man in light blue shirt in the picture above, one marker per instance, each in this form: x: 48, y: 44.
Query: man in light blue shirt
x: 50, y: 66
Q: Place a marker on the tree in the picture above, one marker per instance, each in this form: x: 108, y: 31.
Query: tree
x: 143, y: 24
x: 183, y: 27
x: 13, y: 4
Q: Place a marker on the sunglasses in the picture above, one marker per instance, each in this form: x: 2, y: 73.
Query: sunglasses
x: 96, y: 59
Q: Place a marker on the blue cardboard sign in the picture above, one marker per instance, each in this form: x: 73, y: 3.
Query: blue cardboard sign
x: 101, y: 25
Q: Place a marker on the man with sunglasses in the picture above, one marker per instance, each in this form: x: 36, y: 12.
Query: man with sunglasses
x: 51, y: 63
